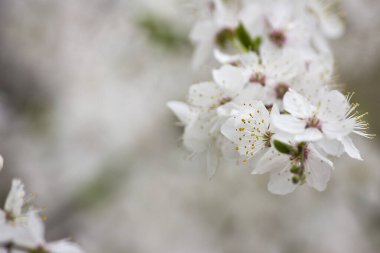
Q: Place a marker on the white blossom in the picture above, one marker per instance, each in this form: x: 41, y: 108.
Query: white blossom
x: 249, y: 128
x: 205, y: 32
x: 317, y: 169
x: 329, y: 119
x: 272, y: 102
x: 23, y: 230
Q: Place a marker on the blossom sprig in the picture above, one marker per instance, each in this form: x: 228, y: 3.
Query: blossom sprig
x: 22, y: 228
x: 272, y: 103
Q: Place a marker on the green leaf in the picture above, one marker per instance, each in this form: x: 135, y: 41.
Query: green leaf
x: 244, y: 37
x: 283, y: 148
x: 246, y: 40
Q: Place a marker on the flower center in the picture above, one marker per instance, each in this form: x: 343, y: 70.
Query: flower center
x: 314, y: 122
x: 224, y: 100
x: 258, y: 77
x: 9, y: 216
x: 266, y: 138
x: 224, y: 36
x: 278, y: 37
x: 281, y: 90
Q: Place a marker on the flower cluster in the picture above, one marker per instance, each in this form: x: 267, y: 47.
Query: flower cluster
x: 272, y: 103
x: 22, y: 228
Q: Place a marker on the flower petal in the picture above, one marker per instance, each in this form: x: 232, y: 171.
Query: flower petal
x: 310, y: 134
x: 182, y: 111
x: 206, y: 95
x: 196, y: 136
x: 225, y: 58
x: 228, y: 129
x: 350, y: 148
x: 336, y: 129
x: 297, y: 105
x: 334, y: 106
x: 318, y: 170
x: 289, y: 124
x: 15, y: 199
x: 280, y: 182
x: 331, y: 147
x: 230, y: 79
x: 36, y: 228
x: 271, y: 160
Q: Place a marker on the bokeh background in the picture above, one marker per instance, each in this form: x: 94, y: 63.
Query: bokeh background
x: 83, y: 122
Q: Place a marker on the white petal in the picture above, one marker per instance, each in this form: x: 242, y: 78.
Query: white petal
x: 297, y: 105
x: 5, y: 231
x: 318, y: 170
x: 331, y: 147
x: 36, y: 228
x: 202, y: 35
x: 205, y: 94
x: 201, y: 30
x: 310, y: 134
x: 226, y: 109
x: 182, y: 111
x: 202, y: 54
x: 272, y: 160
x: 230, y: 79
x: 275, y: 110
x: 281, y: 182
x: 350, y: 148
x: 228, y: 129
x: 228, y: 149
x: 332, y: 26
x: 225, y: 58
x: 334, y: 106
x: 15, y: 199
x: 289, y: 124
x: 63, y: 247
x: 196, y: 136
x: 336, y: 129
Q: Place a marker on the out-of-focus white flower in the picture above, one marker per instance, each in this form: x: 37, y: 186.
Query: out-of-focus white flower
x: 15, y: 200
x: 32, y: 236
x: 23, y: 231
x: 274, y: 72
x: 280, y: 23
x: 328, y: 22
x: 205, y: 33
x: 209, y: 104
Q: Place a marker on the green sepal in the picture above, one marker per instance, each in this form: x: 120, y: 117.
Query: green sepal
x: 283, y: 148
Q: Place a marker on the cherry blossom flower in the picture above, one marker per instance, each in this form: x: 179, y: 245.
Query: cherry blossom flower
x: 273, y: 100
x: 22, y: 230
x: 206, y: 34
x: 32, y: 236
x: 331, y: 119
x: 249, y: 128
x: 315, y: 170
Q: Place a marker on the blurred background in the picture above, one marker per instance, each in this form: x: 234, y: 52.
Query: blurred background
x: 83, y: 122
